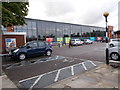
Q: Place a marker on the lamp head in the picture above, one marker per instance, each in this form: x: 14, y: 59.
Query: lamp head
x: 105, y: 14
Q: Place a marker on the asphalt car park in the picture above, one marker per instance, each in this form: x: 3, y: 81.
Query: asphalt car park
x: 67, y: 61
x: 48, y: 78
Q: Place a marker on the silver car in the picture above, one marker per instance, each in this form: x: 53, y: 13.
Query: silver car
x: 114, y: 53
x: 114, y: 42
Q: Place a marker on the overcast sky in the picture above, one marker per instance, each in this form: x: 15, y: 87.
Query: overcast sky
x: 85, y: 12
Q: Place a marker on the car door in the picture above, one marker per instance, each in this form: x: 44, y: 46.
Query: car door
x: 32, y: 50
x: 42, y: 47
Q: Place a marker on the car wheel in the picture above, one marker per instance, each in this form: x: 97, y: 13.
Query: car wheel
x: 48, y: 53
x: 22, y: 56
x: 115, y: 56
x: 111, y: 45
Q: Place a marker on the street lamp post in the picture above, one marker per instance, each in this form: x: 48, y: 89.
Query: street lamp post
x: 107, y: 45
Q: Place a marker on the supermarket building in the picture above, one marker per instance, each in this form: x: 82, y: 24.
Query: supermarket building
x: 57, y: 31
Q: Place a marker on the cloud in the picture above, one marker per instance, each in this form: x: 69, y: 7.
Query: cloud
x: 94, y: 14
x: 55, y: 8
x: 86, y: 12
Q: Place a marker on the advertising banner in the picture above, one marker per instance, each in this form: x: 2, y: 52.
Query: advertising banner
x: 67, y: 39
x: 49, y: 39
x: 92, y: 39
x: 59, y: 39
x: 99, y: 38
x: 10, y: 42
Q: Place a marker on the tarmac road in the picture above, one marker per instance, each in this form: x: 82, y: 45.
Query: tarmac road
x: 92, y: 52
x: 71, y: 56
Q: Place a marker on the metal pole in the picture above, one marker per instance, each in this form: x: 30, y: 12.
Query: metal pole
x: 107, y: 45
x: 70, y: 30
x: 37, y: 32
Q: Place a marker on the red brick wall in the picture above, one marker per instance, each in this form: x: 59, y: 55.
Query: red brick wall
x: 110, y: 30
x: 19, y: 41
x: 117, y: 36
x: 0, y: 44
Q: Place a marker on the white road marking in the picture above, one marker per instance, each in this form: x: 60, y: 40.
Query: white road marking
x: 36, y: 82
x: 36, y: 76
x: 28, y: 78
x: 57, y: 75
x: 84, y: 66
x: 56, y: 71
x: 71, y: 61
x: 114, y: 61
x: 6, y: 65
x: 83, y: 59
x: 93, y: 63
x: 72, y: 70
x: 65, y: 60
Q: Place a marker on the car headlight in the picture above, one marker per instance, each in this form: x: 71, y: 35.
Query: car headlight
x: 16, y: 50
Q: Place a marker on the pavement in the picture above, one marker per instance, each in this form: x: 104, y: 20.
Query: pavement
x: 103, y: 76
x: 7, y: 83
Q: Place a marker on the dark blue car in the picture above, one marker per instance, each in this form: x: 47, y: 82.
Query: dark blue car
x: 32, y: 49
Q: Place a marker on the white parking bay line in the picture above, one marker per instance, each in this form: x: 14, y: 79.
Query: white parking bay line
x: 35, y: 82
x: 58, y: 72
x: 57, y: 75
x: 28, y: 79
x: 93, y: 63
x: 84, y: 66
x: 72, y: 70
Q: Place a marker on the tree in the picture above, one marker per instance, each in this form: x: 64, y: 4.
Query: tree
x: 13, y: 13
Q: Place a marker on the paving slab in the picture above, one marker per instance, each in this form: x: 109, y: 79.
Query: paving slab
x: 7, y: 83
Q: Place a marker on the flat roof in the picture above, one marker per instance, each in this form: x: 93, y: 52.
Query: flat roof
x: 14, y: 33
x: 64, y: 23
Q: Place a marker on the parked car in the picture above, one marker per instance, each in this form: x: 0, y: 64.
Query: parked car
x: 104, y: 40
x: 81, y: 41
x: 87, y: 41
x: 54, y: 43
x: 114, y: 53
x: 32, y: 49
x: 114, y: 42
x: 76, y: 42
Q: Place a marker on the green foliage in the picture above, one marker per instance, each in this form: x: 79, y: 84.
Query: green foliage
x: 14, y: 13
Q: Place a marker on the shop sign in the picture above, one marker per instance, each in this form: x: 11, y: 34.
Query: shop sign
x: 59, y: 39
x: 99, y: 38
x: 67, y: 39
x: 49, y: 39
x: 10, y: 42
